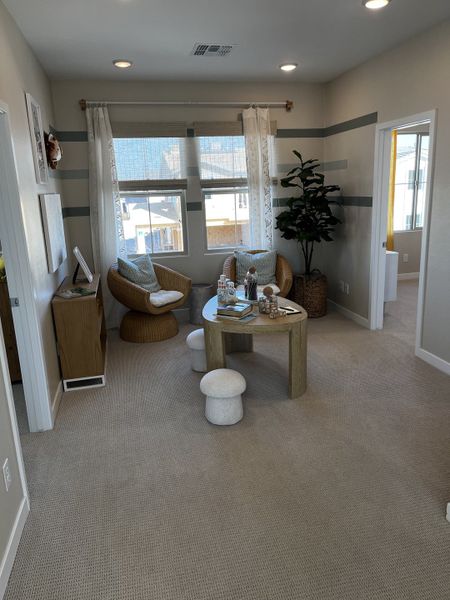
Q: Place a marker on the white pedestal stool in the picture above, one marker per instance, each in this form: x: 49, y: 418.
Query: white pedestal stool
x: 196, y: 343
x: 223, y: 389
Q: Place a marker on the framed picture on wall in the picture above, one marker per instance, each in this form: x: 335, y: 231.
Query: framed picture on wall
x: 37, y: 139
x: 52, y: 220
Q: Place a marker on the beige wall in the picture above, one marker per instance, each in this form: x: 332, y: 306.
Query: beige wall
x: 20, y: 72
x: 201, y: 266
x: 408, y: 242
x: 406, y: 80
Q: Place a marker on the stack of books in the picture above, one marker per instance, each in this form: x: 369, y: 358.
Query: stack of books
x: 234, y: 311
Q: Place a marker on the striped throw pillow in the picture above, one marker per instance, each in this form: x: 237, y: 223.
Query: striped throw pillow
x: 139, y: 271
x: 264, y: 262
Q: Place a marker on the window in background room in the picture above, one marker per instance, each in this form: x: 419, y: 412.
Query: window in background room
x: 152, y: 180
x: 223, y: 175
x: 410, y: 180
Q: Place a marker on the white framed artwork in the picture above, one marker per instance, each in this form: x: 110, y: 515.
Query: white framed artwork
x: 37, y: 139
x: 55, y: 240
x: 83, y: 264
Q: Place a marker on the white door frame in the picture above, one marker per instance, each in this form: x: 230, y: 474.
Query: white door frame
x: 6, y: 564
x: 380, y: 214
x: 21, y: 285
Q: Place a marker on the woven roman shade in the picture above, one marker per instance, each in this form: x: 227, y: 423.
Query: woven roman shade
x: 219, y: 128
x: 127, y: 129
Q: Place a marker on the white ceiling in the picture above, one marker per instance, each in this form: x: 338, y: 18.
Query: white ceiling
x: 80, y: 38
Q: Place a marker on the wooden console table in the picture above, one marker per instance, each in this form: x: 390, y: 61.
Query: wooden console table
x: 223, y: 334
x: 81, y: 336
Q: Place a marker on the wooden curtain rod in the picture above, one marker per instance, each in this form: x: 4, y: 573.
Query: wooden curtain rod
x: 287, y: 104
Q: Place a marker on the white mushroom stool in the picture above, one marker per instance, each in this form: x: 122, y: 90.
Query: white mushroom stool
x: 196, y: 343
x: 223, y: 389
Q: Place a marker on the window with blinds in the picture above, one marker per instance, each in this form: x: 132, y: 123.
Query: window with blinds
x: 152, y: 182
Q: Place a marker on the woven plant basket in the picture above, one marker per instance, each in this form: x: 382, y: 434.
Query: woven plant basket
x: 311, y: 293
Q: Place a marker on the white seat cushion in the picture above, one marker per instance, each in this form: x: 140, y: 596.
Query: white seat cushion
x: 276, y: 289
x: 164, y: 297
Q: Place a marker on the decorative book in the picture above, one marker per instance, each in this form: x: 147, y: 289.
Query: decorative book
x: 238, y: 311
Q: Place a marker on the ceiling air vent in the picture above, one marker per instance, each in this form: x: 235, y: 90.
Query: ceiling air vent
x: 211, y: 49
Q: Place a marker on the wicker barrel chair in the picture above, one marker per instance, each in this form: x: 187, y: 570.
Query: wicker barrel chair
x: 283, y: 271
x: 145, y: 322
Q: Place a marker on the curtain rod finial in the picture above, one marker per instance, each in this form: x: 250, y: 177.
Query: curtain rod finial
x: 83, y: 104
x: 289, y: 105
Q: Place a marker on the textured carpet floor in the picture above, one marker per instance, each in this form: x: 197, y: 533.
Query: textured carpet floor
x: 337, y: 496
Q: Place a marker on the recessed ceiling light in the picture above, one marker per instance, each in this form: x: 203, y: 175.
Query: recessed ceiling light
x: 375, y: 4
x: 289, y: 67
x: 122, y: 63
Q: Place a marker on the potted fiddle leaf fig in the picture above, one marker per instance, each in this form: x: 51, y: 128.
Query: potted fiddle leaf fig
x: 309, y: 220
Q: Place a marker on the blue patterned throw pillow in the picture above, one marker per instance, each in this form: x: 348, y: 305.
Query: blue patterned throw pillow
x: 139, y: 271
x: 265, y: 264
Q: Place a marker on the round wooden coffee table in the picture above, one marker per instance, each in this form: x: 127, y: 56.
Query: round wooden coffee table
x: 226, y: 335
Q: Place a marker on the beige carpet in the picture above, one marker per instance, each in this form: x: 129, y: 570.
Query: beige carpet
x: 338, y: 496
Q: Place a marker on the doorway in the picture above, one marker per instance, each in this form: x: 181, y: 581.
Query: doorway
x: 409, y: 188
x: 12, y: 353
x: 21, y: 288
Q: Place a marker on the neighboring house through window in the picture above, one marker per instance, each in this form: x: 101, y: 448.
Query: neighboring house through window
x: 152, y: 180
x: 223, y: 178
x: 152, y: 173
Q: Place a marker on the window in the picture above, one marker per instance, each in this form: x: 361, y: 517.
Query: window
x: 410, y: 180
x: 223, y: 175
x: 153, y: 222
x: 152, y: 179
x: 227, y: 218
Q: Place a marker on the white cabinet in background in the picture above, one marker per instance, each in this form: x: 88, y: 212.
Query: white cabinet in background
x: 390, y: 286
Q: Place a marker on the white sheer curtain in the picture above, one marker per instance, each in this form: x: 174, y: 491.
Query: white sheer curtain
x: 256, y: 132
x: 106, y: 223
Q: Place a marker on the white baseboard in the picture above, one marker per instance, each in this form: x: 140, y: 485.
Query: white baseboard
x: 56, y: 401
x: 349, y: 314
x: 404, y: 276
x: 11, y: 548
x: 433, y: 360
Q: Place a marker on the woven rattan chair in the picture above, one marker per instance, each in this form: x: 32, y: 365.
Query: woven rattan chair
x: 283, y: 271
x: 145, y: 322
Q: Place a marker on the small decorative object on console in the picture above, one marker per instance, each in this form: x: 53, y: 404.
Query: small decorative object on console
x: 226, y: 292
x: 251, y: 284
x: 268, y: 304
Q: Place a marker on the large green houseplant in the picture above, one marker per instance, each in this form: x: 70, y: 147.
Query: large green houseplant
x: 309, y: 220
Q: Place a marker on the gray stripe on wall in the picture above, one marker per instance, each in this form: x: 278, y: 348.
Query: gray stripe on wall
x: 71, y: 136
x: 300, y: 133
x: 363, y: 121
x: 322, y: 132
x: 356, y: 200
x: 279, y: 202
x: 193, y: 206
x: 70, y: 174
x: 342, y: 200
x: 192, y: 172
x: 334, y: 165
x: 76, y: 211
